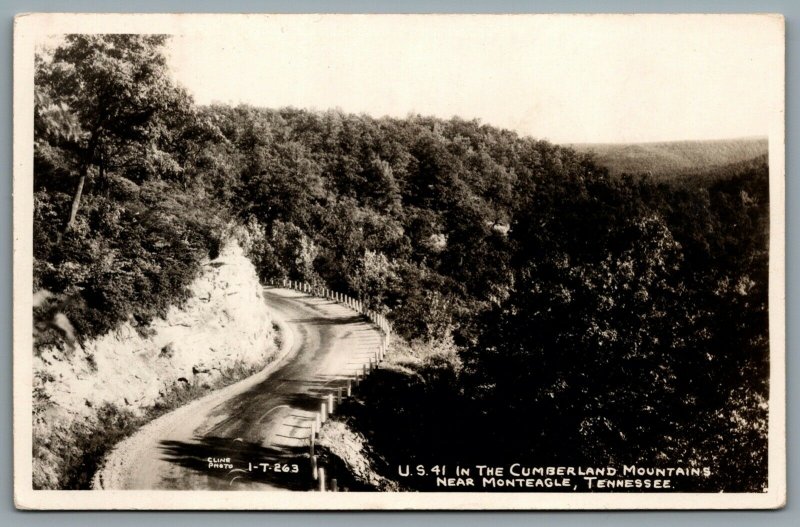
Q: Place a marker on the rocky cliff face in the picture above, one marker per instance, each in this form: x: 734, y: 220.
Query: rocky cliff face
x: 111, y: 385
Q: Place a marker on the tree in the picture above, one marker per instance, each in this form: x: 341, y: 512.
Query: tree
x: 113, y: 96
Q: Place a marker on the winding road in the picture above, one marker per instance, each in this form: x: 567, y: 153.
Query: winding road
x: 254, y: 434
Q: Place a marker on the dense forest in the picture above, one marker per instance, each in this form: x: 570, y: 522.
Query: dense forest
x: 622, y: 317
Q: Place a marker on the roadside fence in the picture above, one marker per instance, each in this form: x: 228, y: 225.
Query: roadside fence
x: 322, y: 480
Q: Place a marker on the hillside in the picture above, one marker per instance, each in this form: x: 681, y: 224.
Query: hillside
x: 672, y: 157
x: 89, y: 394
x: 626, y: 317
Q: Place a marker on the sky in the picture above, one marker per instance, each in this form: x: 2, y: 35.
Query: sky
x: 567, y: 79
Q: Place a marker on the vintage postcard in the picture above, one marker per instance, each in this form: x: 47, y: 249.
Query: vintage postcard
x: 399, y: 261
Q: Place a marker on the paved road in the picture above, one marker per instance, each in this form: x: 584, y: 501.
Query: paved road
x: 254, y: 434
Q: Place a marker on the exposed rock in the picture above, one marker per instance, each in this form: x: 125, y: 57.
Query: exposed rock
x: 351, y: 448
x: 129, y: 365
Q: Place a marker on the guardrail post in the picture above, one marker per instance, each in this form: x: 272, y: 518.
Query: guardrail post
x: 318, y: 420
x: 311, y: 445
x: 314, y: 467
x: 321, y: 474
x: 330, y: 404
x: 339, y: 395
x: 334, y: 485
x: 323, y: 412
x: 349, y: 388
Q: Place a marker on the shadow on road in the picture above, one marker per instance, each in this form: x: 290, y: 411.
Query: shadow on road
x: 329, y: 321
x: 283, y: 467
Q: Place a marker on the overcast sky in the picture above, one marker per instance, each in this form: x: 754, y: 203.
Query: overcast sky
x: 566, y: 79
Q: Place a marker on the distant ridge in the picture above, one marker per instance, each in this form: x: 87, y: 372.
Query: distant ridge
x: 675, y: 157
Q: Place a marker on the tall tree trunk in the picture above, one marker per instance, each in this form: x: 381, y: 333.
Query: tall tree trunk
x: 76, y: 199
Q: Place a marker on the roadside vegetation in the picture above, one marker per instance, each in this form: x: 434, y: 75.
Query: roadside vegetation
x: 622, y: 317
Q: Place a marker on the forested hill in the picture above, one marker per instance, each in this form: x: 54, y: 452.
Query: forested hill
x: 676, y: 157
x: 625, y: 315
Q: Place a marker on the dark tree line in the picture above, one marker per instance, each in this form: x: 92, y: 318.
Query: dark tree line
x: 623, y: 317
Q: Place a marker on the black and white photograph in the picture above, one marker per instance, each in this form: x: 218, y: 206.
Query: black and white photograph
x: 399, y: 261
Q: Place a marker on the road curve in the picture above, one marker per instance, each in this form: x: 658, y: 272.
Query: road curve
x: 254, y: 434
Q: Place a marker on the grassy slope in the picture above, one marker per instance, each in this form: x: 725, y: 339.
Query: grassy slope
x: 673, y: 157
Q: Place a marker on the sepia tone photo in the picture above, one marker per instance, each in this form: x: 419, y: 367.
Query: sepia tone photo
x: 393, y: 262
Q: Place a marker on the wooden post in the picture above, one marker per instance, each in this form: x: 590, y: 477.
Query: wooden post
x: 323, y: 412
x: 321, y: 475
x: 334, y: 485
x: 349, y: 388
x: 311, y: 445
x: 314, y: 467
x: 318, y: 421
x: 330, y: 404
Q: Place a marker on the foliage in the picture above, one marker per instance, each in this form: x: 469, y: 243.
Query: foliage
x: 625, y: 315
x: 109, y: 120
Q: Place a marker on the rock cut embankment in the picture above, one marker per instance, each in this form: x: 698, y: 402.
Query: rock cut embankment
x: 87, y: 396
